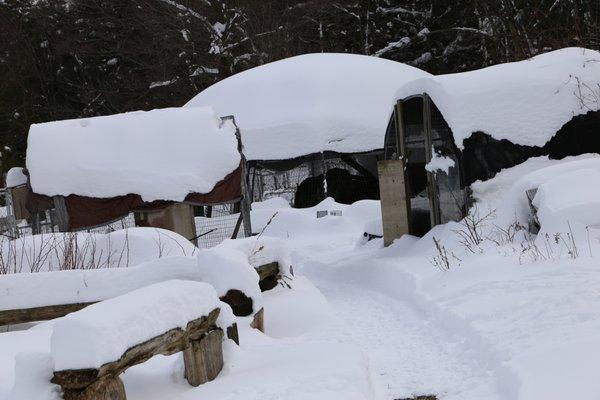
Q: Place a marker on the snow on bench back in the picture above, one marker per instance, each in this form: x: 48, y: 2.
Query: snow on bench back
x: 160, y: 154
x: 310, y: 103
x: 525, y: 102
x: 102, y: 332
x: 23, y: 291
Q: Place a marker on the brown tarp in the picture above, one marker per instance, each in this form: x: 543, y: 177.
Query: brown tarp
x: 86, y: 212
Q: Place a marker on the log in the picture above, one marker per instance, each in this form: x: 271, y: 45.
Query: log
x: 109, y: 388
x: 268, y: 274
x: 10, y: 317
x: 239, y: 302
x: 203, y: 358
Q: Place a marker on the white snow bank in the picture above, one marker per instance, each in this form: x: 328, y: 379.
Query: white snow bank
x: 505, y: 193
x: 102, y: 332
x: 33, y: 372
x: 262, y: 250
x: 82, y: 250
x: 374, y: 227
x: 225, y: 269
x: 35, y: 340
x: 298, y: 227
x: 288, y: 369
x: 15, y: 177
x: 569, y: 198
x: 310, y: 103
x: 525, y: 102
x: 83, y: 286
x: 295, y: 311
x: 161, y: 154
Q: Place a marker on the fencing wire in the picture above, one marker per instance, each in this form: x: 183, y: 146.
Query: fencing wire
x: 216, y: 223
x: 303, y: 185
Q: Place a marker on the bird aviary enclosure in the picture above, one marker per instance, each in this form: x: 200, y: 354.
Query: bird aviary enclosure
x: 306, y: 181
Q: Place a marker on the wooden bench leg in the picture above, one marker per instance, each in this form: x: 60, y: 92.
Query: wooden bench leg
x: 109, y: 388
x: 233, y: 334
x: 203, y: 359
x: 259, y: 320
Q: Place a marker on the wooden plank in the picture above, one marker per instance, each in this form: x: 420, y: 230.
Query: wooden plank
x: 62, y: 214
x: 395, y: 207
x: 203, y: 358
x: 11, y: 317
x: 432, y: 191
x: 399, y: 123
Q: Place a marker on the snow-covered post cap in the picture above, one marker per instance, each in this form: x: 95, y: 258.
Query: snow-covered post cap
x: 15, y: 177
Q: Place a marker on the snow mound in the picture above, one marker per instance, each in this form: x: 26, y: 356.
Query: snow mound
x: 538, y: 96
x: 161, y: 154
x: 82, y: 250
x: 226, y: 270
x: 332, y: 102
x: 262, y: 250
x: 572, y: 197
x: 102, y: 332
x: 505, y: 193
x: 15, y: 177
x: 33, y: 371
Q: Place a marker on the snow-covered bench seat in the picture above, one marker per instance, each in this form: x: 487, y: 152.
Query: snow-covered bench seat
x: 92, y: 347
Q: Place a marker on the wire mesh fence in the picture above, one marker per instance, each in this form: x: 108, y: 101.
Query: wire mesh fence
x: 306, y: 183
x: 217, y: 223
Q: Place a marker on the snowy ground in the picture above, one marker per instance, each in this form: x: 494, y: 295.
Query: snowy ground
x: 512, y: 317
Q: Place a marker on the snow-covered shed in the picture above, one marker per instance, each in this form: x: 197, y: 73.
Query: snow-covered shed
x: 100, y: 169
x: 308, y: 115
x: 452, y: 130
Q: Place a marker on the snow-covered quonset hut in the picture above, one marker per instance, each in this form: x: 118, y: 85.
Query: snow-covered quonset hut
x: 156, y: 164
x: 452, y: 130
x: 312, y: 117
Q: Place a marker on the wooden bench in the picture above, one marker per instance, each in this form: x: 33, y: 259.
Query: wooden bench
x: 200, y: 341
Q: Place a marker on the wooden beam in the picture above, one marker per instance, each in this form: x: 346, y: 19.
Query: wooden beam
x: 62, y: 215
x: 432, y: 191
x: 34, y: 314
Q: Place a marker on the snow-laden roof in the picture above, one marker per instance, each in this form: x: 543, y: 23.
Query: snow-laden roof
x: 310, y: 103
x: 15, y: 177
x: 525, y: 102
x: 161, y: 154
